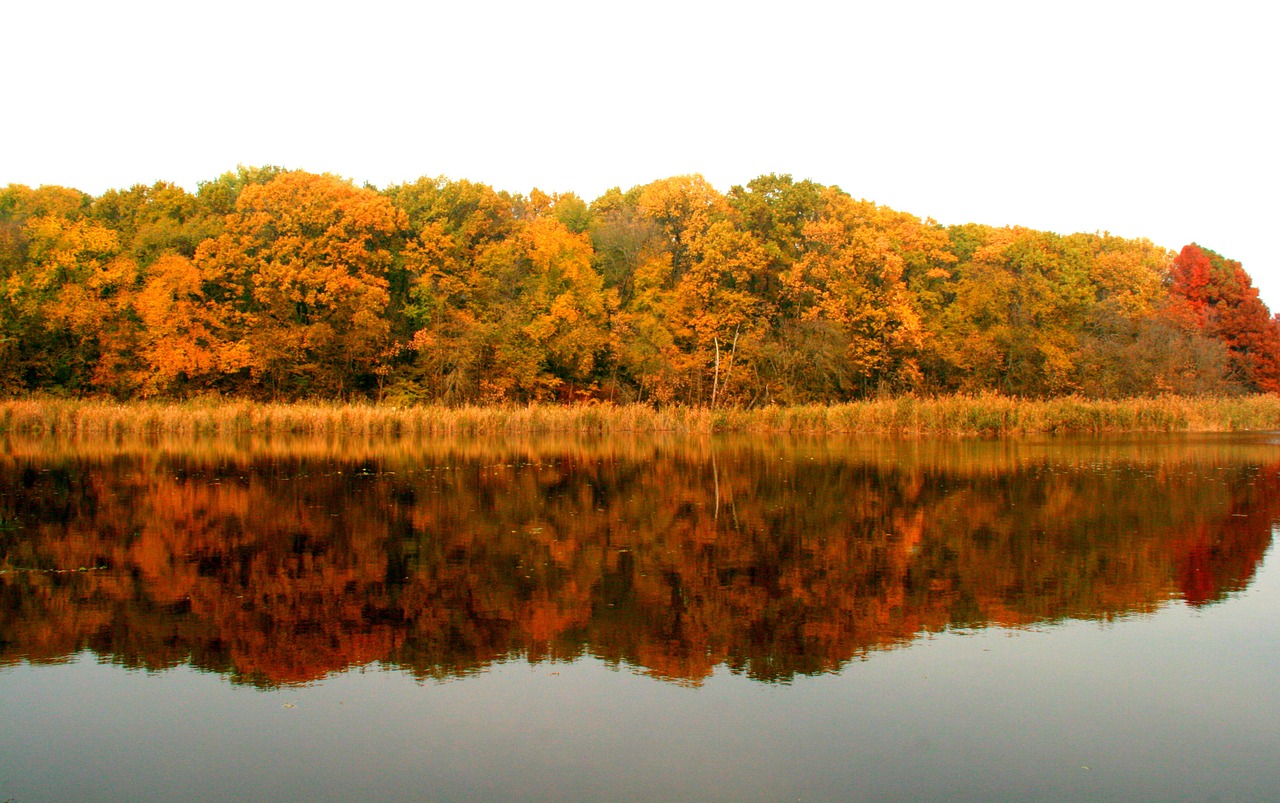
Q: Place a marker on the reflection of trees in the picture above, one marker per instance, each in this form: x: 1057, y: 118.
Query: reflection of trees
x: 278, y: 567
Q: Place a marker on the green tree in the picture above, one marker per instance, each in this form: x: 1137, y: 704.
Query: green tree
x: 157, y: 219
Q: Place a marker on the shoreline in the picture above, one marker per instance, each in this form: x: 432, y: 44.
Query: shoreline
x: 955, y: 416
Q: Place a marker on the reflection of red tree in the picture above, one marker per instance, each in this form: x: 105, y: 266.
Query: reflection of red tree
x: 1196, y: 576
x: 1216, y: 558
x: 1216, y: 562
x: 282, y: 572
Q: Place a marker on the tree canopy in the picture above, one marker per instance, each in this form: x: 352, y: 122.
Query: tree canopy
x: 281, y: 284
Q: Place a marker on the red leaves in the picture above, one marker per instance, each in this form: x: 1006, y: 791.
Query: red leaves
x: 1216, y: 296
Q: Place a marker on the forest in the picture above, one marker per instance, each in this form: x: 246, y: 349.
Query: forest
x: 280, y: 285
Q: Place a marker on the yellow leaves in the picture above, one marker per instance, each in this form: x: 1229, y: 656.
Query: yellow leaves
x: 566, y: 295
x: 524, y: 317
x: 854, y: 273
x: 1129, y: 274
x: 87, y: 307
x: 539, y: 203
x: 550, y: 247
x: 1059, y: 365
x: 683, y: 207
x: 64, y: 250
x: 76, y: 281
x: 653, y: 274
x: 714, y: 296
x: 565, y: 308
x: 432, y: 253
x: 456, y: 291
x: 681, y: 198
x: 23, y: 202
x: 542, y: 329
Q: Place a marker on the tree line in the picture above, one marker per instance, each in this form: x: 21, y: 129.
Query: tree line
x: 275, y: 284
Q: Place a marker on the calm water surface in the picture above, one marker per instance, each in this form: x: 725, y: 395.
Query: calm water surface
x: 646, y: 618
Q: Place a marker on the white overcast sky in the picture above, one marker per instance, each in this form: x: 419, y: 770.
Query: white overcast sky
x: 1148, y: 120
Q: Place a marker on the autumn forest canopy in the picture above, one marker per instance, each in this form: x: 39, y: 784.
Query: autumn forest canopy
x: 267, y: 283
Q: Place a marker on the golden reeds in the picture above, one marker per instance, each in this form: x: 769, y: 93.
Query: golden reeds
x: 982, y: 415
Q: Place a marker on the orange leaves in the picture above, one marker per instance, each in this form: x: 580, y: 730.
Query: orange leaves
x: 567, y: 299
x: 301, y: 285
x: 304, y: 258
x: 682, y: 203
x: 186, y: 336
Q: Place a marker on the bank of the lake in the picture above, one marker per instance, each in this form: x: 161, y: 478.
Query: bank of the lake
x: 981, y: 415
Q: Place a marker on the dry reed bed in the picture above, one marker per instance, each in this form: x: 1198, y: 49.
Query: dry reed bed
x: 982, y: 415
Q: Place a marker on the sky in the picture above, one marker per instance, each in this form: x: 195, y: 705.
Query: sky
x: 1152, y: 120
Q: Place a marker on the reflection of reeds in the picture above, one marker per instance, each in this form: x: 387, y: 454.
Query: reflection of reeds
x: 958, y: 456
x: 985, y: 415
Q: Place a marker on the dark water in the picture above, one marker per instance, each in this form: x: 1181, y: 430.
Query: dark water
x: 653, y: 619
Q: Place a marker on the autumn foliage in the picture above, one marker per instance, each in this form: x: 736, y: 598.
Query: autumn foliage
x: 1215, y: 296
x: 273, y: 284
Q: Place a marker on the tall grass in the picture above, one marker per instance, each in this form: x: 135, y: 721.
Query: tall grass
x: 982, y: 415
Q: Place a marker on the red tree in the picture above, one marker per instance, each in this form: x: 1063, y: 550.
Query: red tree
x: 1218, y: 297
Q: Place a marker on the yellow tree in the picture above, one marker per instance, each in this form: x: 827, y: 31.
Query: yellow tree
x: 1127, y: 275
x: 851, y: 286
x: 304, y: 259
x: 30, y: 355
x: 1020, y: 302
x: 692, y: 295
x: 683, y: 208
x: 716, y: 307
x: 74, y: 293
x: 443, y: 297
x: 156, y: 219
x: 633, y: 255
x: 504, y: 309
x: 647, y: 351
x: 569, y: 306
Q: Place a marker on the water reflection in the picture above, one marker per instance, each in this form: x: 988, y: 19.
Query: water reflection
x: 282, y: 562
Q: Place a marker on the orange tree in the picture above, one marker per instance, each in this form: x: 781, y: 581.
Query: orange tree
x: 300, y: 271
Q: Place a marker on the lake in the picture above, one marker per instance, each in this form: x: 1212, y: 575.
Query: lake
x: 644, y: 618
